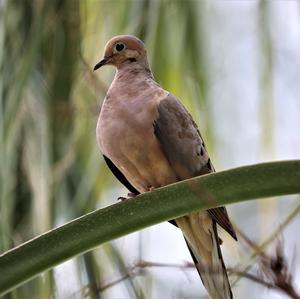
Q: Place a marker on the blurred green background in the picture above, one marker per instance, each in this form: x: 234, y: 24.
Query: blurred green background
x: 234, y: 64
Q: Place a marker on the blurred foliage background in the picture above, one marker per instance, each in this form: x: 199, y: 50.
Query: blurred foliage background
x: 235, y: 66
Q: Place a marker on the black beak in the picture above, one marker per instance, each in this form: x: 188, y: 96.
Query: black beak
x: 101, y: 63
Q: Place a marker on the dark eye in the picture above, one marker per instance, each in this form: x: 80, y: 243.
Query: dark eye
x: 119, y: 47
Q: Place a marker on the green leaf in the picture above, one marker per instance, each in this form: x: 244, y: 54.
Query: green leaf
x: 80, y: 235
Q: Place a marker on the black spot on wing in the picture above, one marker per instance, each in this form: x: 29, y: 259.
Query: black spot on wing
x: 201, y: 151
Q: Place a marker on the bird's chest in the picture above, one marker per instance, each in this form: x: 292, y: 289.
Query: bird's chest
x: 125, y: 134
x: 124, y: 128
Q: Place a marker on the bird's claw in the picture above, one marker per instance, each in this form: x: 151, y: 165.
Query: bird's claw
x: 129, y: 196
x: 122, y: 198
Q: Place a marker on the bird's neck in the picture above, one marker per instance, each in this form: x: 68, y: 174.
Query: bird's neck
x: 128, y: 80
x: 134, y: 69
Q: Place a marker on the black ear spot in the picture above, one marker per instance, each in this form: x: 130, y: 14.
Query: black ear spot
x: 132, y: 59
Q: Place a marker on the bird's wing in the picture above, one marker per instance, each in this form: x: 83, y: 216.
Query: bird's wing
x: 120, y: 176
x: 122, y: 179
x: 184, y: 148
x: 221, y: 217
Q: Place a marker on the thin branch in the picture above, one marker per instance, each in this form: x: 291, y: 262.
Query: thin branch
x: 275, y: 270
x: 285, y: 287
x: 253, y: 278
x: 275, y: 273
x: 261, y: 247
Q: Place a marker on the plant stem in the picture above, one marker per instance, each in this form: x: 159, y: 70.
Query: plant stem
x: 82, y: 234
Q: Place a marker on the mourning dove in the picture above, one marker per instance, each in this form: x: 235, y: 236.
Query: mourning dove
x: 149, y: 140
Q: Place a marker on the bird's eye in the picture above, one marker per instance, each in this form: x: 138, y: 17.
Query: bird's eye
x: 119, y: 47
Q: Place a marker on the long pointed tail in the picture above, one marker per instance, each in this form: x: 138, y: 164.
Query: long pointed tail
x: 201, y: 234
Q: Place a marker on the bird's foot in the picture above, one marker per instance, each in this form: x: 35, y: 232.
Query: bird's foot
x: 129, y: 196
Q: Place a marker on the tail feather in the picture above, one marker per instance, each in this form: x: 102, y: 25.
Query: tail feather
x: 201, y: 235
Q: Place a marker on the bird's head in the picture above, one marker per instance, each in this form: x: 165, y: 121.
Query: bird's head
x: 122, y: 50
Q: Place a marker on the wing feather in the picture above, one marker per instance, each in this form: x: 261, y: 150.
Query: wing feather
x: 183, y: 146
